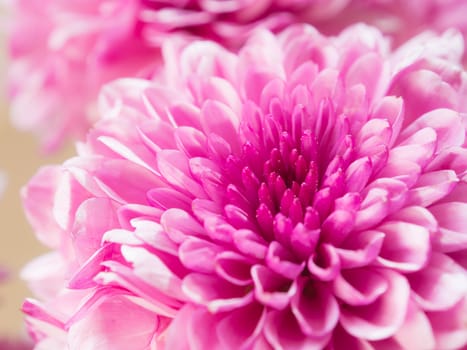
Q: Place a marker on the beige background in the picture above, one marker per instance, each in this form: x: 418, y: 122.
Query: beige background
x: 19, y: 159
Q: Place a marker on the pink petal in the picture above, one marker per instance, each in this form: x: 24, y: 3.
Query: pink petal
x: 234, y: 268
x: 357, y: 174
x: 45, y: 274
x: 209, y: 175
x: 381, y: 197
x: 283, y: 332
x: 279, y: 260
x: 174, y: 167
x: 342, y: 340
x: 416, y: 323
x: 240, y: 328
x: 360, y: 249
x: 88, y: 228
x: 104, y: 328
x: 325, y: 263
x: 406, y: 247
x: 249, y: 243
x: 385, y: 316
x: 440, y: 285
x: 453, y: 158
x: 272, y: 289
x: 449, y: 327
x: 153, y: 270
x: 122, y: 276
x: 165, y: 198
x: 120, y: 179
x: 368, y: 70
x: 179, y: 225
x: 217, y: 118
x: 191, y: 141
x: 391, y: 108
x: 180, y: 325
x: 199, y: 255
x: 359, y: 287
x: 419, y: 148
x: 157, y: 135
x: 83, y: 277
x: 315, y: 309
x: 427, y: 92
x: 215, y: 293
x: 452, y: 226
x: 38, y: 198
x: 447, y: 124
x: 402, y: 170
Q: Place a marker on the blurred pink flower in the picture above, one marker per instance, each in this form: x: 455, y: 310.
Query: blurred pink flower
x: 14, y: 344
x: 62, y: 52
x: 402, y: 19
x: 307, y: 193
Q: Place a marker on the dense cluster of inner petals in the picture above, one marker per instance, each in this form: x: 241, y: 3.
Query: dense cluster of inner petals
x: 281, y: 176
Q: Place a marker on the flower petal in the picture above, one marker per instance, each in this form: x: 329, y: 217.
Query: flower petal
x: 406, y: 246
x: 315, y: 309
x: 452, y: 226
x: 440, y: 285
x: 103, y: 328
x: 381, y: 319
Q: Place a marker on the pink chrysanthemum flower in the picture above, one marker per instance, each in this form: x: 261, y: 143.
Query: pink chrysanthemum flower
x: 307, y: 193
x: 62, y: 52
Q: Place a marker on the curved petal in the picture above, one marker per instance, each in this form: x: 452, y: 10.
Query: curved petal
x: 449, y: 326
x: 175, y: 169
x: 89, y: 228
x: 431, y: 187
x: 198, y: 255
x: 440, y: 285
x: 359, y: 286
x: 382, y: 318
x: 103, y: 328
x: 325, y: 263
x: 342, y: 340
x: 38, y: 201
x: 281, y: 261
x: 446, y: 122
x: 315, y: 309
x: 272, y: 289
x: 360, y: 249
x: 216, y: 294
x: 406, y: 246
x: 452, y: 226
x: 416, y: 332
x: 240, y: 328
x: 192, y: 328
x: 283, y: 332
x: 179, y: 224
x: 234, y: 268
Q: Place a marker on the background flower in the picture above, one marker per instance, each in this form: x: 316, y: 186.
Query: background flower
x: 308, y: 192
x: 62, y: 52
x: 15, y: 344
